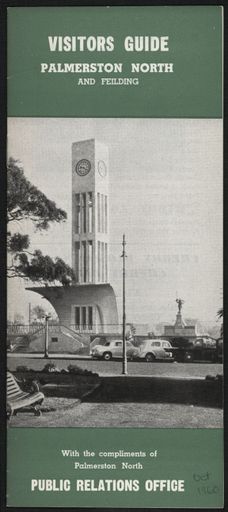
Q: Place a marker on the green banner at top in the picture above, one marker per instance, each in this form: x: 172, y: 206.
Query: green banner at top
x: 115, y: 61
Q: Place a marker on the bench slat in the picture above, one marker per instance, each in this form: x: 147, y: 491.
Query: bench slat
x: 17, y: 398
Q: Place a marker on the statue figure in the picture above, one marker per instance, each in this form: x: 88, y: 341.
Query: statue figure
x: 180, y: 303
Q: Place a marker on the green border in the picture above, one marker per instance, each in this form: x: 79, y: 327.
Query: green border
x: 194, y: 89
x: 192, y: 455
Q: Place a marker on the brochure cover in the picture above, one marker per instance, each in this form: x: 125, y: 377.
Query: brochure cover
x: 114, y: 329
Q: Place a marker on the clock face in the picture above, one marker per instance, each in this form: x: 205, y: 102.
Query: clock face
x: 83, y: 167
x: 102, y: 169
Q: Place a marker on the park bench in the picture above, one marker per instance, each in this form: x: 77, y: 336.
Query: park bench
x: 18, y: 399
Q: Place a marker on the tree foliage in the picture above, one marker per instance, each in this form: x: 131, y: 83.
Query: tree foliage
x: 220, y: 313
x: 220, y: 316
x: 38, y: 314
x: 25, y: 201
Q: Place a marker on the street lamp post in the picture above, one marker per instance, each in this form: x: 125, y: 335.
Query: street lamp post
x: 30, y: 315
x: 124, y: 370
x: 46, y: 337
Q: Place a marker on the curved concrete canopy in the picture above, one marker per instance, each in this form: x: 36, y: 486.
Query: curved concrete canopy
x: 101, y: 296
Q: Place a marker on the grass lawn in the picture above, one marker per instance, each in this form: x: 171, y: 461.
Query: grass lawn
x: 70, y: 413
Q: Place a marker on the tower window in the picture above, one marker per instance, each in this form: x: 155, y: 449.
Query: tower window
x: 99, y: 261
x: 98, y: 213
x: 103, y: 213
x: 90, y: 317
x: 77, y: 262
x: 102, y: 260
x: 90, y: 207
x: 84, y: 213
x: 84, y: 317
x: 77, y: 317
x: 84, y: 261
x: 90, y: 263
x: 78, y: 213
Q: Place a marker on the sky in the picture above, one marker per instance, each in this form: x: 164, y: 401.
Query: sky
x: 165, y: 185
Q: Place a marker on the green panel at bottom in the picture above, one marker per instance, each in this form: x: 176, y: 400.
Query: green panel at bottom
x: 136, y: 468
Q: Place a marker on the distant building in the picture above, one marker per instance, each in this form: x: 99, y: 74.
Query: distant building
x: 89, y: 305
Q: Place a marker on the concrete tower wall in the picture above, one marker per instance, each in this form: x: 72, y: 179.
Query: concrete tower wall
x: 90, y: 212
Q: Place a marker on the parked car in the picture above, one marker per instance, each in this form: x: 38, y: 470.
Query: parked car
x: 113, y: 348
x: 153, y: 350
x: 204, y: 342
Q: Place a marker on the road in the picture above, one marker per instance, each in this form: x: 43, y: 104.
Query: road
x: 115, y: 367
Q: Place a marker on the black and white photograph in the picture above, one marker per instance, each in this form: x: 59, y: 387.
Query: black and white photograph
x: 115, y: 315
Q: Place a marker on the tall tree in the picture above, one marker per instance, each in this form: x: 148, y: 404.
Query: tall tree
x: 25, y: 201
x: 220, y: 316
x: 39, y: 314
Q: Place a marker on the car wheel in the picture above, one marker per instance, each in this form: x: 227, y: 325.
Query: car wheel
x: 107, y: 356
x: 150, y: 358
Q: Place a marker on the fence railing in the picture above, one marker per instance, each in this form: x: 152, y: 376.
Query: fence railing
x: 96, y: 329
x: 22, y: 330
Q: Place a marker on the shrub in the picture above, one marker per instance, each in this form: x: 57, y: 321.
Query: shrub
x: 50, y: 367
x: 79, y: 371
x: 22, y: 369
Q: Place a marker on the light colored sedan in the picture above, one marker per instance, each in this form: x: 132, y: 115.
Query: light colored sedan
x: 152, y: 350
x: 112, y: 349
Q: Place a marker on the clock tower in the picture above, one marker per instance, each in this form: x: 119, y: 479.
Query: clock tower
x: 89, y: 305
x: 90, y: 212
